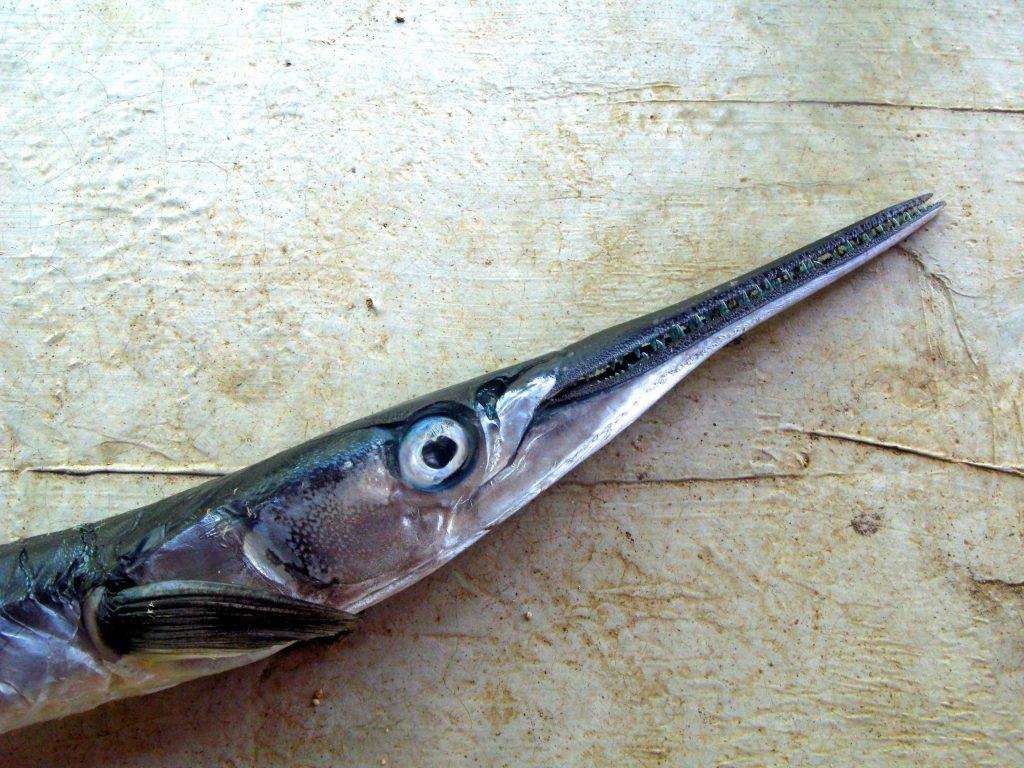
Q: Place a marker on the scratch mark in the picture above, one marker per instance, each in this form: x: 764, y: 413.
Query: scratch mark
x: 945, y: 288
x: 109, y: 440
x: 1006, y: 469
x: 448, y: 665
x: 945, y: 282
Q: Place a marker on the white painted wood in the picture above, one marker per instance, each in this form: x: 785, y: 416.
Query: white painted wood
x: 225, y: 230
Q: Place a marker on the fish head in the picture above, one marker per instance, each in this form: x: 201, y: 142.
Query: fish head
x: 377, y: 505
x: 390, y: 498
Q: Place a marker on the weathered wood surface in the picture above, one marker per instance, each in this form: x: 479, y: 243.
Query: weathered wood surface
x: 225, y: 230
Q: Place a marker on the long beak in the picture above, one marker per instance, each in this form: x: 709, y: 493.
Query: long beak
x: 708, y: 321
x: 597, y: 387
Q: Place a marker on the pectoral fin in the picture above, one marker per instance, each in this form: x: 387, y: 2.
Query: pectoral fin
x: 202, y: 617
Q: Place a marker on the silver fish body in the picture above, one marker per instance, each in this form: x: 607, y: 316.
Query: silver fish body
x: 296, y: 545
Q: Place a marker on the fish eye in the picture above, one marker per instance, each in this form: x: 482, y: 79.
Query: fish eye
x: 432, y: 452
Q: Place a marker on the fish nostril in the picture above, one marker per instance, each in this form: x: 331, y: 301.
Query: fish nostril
x: 438, y: 453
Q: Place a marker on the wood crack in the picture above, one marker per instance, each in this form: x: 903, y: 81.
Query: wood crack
x: 827, y: 103
x: 78, y: 470
x: 998, y: 582
x: 1006, y: 469
x: 673, y: 481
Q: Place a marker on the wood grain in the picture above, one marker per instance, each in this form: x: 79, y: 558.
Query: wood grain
x: 226, y: 230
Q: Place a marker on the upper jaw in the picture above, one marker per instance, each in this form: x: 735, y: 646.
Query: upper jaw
x: 623, y: 352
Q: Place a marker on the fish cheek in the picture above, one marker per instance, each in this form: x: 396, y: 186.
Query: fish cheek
x: 337, y: 539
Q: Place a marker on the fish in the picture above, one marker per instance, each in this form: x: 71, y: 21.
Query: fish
x: 296, y: 546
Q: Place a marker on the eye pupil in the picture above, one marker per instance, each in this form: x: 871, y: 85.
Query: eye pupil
x: 439, y: 453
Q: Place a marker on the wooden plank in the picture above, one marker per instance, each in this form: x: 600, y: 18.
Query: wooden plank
x: 223, y: 233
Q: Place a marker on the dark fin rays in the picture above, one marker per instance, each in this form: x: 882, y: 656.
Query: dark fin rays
x: 200, y: 618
